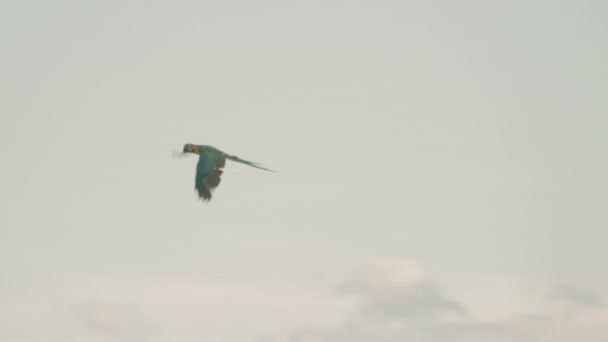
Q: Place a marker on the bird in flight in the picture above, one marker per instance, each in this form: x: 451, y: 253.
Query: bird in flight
x: 209, y: 167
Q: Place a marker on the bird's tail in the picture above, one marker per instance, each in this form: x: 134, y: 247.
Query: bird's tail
x: 250, y: 163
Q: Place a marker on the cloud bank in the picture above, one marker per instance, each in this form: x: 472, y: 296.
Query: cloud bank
x: 382, y: 299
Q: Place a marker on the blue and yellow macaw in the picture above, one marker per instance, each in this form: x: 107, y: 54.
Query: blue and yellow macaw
x: 208, y: 171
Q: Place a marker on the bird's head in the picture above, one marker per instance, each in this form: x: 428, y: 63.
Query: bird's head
x: 190, y: 148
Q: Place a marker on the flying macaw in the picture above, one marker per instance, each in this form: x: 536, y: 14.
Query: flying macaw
x: 208, y: 171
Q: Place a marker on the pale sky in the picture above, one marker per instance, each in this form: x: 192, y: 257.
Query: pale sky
x: 442, y: 171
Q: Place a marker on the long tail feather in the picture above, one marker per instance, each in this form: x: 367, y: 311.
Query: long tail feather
x: 250, y: 163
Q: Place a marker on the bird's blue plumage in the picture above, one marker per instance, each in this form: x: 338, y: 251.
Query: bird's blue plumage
x: 209, y: 168
x: 204, y: 168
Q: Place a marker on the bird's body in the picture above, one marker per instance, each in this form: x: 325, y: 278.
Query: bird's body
x: 209, y: 168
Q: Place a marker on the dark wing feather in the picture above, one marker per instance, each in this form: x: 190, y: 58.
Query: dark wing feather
x: 208, y: 174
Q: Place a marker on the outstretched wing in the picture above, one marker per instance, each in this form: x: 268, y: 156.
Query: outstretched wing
x: 208, y: 173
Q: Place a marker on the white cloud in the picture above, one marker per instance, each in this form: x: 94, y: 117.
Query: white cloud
x: 397, y: 288
x: 386, y: 273
x: 399, y: 302
x: 383, y: 300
